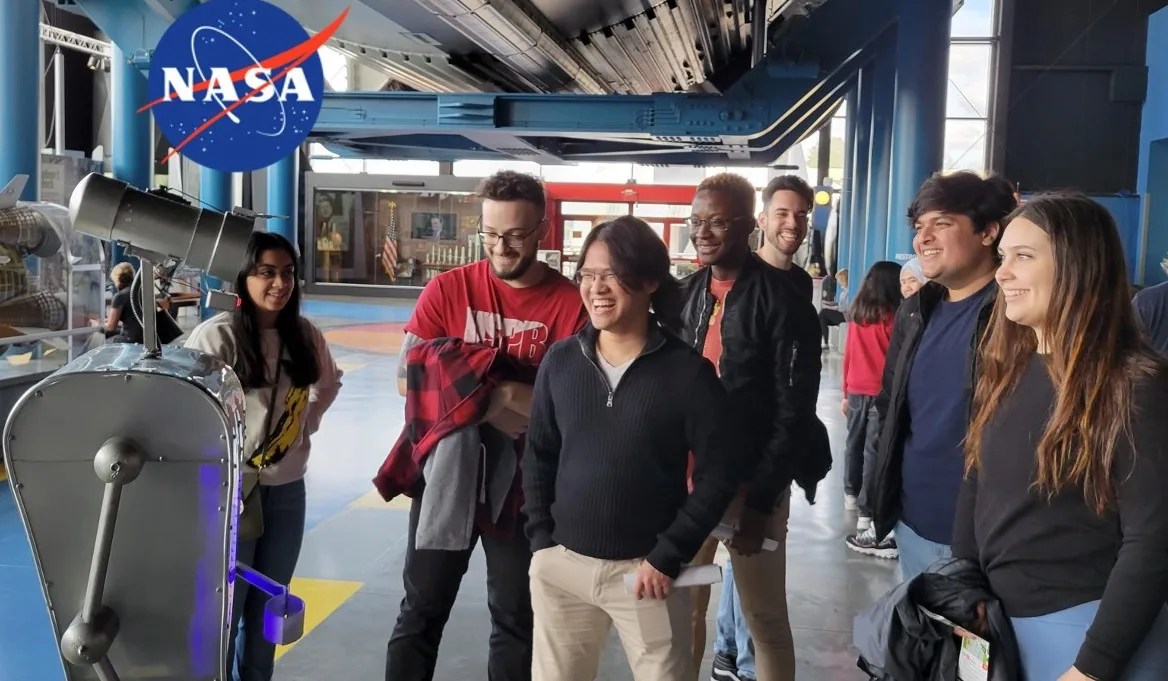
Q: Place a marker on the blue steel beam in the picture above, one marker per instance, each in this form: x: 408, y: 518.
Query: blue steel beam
x: 282, y: 178
x: 20, y: 80
x: 880, y: 150
x: 662, y: 115
x: 135, y: 26
x: 865, y: 97
x: 845, y: 231
x: 132, y: 158
x: 214, y: 193
x: 918, y: 138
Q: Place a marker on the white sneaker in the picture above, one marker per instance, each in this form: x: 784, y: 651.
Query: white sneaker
x: 850, y: 502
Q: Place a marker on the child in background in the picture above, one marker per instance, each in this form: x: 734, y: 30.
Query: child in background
x: 869, y: 334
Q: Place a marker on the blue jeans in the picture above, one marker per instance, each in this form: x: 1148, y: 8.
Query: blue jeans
x: 733, y: 637
x: 1049, y: 644
x: 274, y: 554
x: 916, y: 552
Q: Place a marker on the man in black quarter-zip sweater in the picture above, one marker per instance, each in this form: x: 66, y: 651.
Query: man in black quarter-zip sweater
x: 616, y: 412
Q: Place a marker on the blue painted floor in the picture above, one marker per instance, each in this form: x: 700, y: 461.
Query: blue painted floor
x: 350, y: 566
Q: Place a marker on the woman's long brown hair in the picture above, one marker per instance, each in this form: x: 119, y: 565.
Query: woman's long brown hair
x: 1095, y: 352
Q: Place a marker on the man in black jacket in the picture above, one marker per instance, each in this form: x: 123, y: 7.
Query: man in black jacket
x: 930, y: 369
x: 764, y: 340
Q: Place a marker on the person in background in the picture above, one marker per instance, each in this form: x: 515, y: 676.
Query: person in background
x: 289, y: 380
x: 867, y: 344
x: 514, y: 301
x: 1151, y: 308
x: 764, y: 342
x: 786, y: 209
x: 1063, y: 504
x: 912, y: 277
x: 929, y: 372
x: 605, y: 471
x: 834, y: 314
x: 121, y: 310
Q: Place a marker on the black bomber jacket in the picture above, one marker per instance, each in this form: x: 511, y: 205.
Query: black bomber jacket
x: 770, y: 365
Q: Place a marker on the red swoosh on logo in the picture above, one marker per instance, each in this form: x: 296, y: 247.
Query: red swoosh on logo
x: 299, y: 53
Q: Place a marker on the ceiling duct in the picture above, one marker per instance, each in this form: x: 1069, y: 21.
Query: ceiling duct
x: 521, y: 37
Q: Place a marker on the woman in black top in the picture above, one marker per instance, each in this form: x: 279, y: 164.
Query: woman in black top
x: 615, y: 413
x: 1066, y: 499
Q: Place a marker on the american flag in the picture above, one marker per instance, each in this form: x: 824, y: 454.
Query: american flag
x: 389, y: 248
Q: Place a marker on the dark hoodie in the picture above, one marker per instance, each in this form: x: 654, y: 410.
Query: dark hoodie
x: 604, y: 473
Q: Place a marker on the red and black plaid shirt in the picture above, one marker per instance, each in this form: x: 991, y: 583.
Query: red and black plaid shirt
x: 448, y: 387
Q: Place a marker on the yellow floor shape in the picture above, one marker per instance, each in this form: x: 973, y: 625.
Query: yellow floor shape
x: 321, y: 598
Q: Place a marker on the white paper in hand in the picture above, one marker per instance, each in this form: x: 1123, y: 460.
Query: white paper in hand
x: 725, y: 532
x: 698, y: 575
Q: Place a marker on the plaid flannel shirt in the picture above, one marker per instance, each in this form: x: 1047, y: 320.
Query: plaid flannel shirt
x: 448, y: 387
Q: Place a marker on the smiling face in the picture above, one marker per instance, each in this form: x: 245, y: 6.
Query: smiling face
x: 784, y: 221
x: 950, y: 251
x: 1026, y: 275
x: 909, y: 284
x: 611, y: 307
x: 726, y: 238
x: 519, y: 224
x: 272, y: 281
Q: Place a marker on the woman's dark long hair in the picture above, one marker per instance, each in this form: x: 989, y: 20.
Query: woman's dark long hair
x: 301, y: 366
x: 639, y: 257
x: 879, y: 294
x: 1095, y: 353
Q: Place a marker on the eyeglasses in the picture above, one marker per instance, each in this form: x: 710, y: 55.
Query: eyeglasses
x: 586, y: 278
x: 715, y: 224
x: 512, y: 239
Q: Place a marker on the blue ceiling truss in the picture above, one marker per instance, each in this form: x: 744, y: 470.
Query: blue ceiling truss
x: 792, y: 92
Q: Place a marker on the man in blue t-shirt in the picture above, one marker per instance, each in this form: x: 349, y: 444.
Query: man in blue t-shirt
x: 929, y: 373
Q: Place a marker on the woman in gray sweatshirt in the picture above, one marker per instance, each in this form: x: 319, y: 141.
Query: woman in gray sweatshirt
x: 290, y: 380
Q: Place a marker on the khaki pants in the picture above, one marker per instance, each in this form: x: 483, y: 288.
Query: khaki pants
x: 701, y: 601
x: 761, y: 580
x: 575, y: 599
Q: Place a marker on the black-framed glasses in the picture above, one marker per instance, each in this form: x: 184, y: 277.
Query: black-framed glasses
x: 718, y: 224
x: 512, y: 239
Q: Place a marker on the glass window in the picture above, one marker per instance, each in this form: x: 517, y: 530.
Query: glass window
x: 965, y: 145
x: 593, y: 208
x: 423, y: 233
x: 612, y: 173
x: 969, y: 81
x: 483, y: 168
x: 975, y: 19
x: 661, y: 210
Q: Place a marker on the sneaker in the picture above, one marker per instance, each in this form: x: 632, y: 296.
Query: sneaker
x: 862, y: 524
x: 865, y: 543
x: 850, y: 502
x: 725, y: 668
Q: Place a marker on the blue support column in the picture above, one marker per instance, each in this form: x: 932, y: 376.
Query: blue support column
x: 282, y: 179
x: 132, y: 153
x: 862, y: 134
x: 883, y: 82
x: 21, y: 82
x: 844, y: 230
x: 918, y: 138
x: 214, y: 193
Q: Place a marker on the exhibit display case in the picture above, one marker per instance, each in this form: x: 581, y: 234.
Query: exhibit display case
x: 52, y: 290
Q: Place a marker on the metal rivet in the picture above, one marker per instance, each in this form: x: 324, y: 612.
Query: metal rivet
x: 221, y: 508
x: 38, y: 394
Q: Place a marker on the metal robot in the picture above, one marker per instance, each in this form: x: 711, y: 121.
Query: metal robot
x: 125, y: 465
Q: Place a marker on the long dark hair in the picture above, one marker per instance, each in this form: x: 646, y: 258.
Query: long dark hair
x: 301, y: 366
x: 1095, y: 352
x: 639, y: 257
x: 879, y: 294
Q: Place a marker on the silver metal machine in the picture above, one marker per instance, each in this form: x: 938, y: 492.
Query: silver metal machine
x: 132, y: 512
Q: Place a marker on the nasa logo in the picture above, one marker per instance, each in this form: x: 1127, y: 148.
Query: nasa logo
x: 236, y: 85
